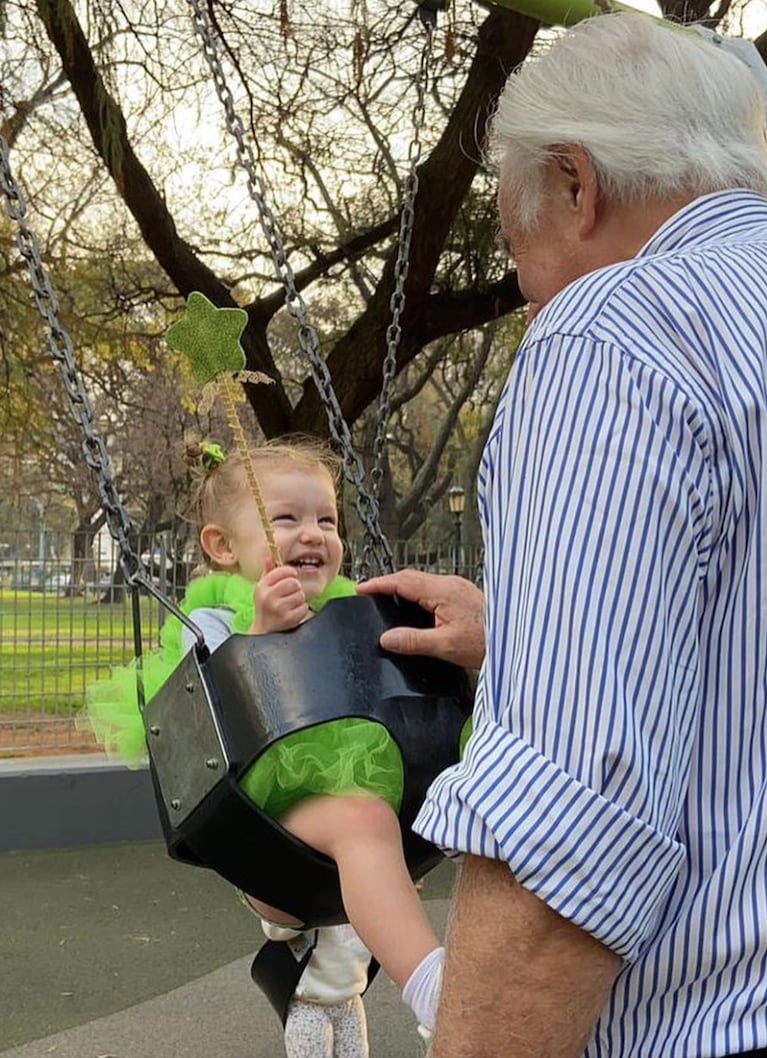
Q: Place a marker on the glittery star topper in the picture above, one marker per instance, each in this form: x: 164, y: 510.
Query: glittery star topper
x: 209, y: 337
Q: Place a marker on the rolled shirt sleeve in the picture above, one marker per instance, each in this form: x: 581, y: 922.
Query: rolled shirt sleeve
x: 594, y: 495
x: 588, y: 859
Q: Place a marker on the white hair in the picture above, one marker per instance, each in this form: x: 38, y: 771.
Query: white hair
x: 660, y: 111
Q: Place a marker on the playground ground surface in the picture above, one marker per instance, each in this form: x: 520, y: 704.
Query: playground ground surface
x: 116, y: 951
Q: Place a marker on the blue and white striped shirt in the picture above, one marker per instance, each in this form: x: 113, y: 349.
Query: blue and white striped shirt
x: 619, y: 759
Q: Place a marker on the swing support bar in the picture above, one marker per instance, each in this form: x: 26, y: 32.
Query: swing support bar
x: 561, y: 12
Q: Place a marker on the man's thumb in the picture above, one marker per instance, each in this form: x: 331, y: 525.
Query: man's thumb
x: 403, y: 641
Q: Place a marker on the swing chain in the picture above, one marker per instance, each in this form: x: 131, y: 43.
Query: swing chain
x: 366, y: 504
x: 402, y: 263
x: 61, y: 348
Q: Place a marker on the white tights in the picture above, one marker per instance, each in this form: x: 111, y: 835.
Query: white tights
x: 326, y: 1030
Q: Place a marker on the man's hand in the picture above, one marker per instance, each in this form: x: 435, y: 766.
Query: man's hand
x: 280, y: 600
x: 458, y: 634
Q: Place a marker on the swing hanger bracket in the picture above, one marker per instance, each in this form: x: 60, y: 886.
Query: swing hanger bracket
x: 433, y: 7
x: 428, y: 12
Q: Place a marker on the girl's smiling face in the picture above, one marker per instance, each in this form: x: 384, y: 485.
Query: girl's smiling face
x: 302, y: 510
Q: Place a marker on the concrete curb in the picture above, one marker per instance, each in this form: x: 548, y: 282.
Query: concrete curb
x: 61, y: 802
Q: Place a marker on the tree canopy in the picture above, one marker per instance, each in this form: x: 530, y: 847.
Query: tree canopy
x: 133, y: 180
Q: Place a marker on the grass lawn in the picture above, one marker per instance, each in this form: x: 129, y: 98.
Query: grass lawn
x: 52, y: 647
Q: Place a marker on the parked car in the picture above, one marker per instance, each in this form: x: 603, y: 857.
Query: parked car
x: 58, y: 580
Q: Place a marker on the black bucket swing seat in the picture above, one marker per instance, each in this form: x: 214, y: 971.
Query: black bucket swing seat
x: 218, y: 713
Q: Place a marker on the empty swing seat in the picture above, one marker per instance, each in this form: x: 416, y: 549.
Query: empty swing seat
x: 217, y: 714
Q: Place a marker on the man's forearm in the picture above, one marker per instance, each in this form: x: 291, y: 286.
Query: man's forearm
x: 520, y: 981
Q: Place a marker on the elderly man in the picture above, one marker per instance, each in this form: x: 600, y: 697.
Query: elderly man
x: 612, y: 803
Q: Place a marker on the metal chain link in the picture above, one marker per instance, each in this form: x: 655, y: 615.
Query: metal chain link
x: 94, y: 449
x: 308, y: 339
x: 428, y: 19
x: 402, y: 264
x: 60, y: 343
x: 376, y: 545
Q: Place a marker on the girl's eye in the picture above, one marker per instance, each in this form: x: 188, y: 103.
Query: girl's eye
x: 283, y: 518
x: 328, y: 520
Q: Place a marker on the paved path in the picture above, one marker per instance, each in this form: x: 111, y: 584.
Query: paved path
x: 220, y: 1015
x: 118, y: 952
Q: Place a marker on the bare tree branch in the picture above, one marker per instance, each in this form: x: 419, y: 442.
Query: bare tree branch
x: 444, y: 180
x: 410, y: 503
x: 108, y: 130
x: 24, y: 108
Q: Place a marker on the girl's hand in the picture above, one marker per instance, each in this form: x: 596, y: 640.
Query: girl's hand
x: 280, y: 600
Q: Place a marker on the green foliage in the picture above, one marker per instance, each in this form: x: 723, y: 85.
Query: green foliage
x: 333, y: 141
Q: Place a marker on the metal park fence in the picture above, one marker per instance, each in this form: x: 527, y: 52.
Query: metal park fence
x: 65, y: 621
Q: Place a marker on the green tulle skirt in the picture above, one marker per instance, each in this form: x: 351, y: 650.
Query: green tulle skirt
x: 350, y: 756
x: 111, y: 709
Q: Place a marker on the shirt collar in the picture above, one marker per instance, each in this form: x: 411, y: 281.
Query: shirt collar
x: 719, y: 217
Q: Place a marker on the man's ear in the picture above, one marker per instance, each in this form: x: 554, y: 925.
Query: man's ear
x: 216, y: 544
x: 579, y: 181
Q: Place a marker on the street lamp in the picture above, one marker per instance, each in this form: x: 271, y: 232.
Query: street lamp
x: 456, y: 501
x: 40, y: 508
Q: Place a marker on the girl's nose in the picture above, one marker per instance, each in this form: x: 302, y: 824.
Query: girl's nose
x: 311, y: 530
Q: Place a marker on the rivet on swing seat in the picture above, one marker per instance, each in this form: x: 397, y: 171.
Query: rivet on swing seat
x: 217, y: 714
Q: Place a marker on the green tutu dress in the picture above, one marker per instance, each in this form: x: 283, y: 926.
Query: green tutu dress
x: 348, y: 756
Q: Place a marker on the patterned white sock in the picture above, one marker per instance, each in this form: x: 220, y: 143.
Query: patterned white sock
x: 422, y: 988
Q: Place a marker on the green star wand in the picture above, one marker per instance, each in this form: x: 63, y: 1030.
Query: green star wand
x: 209, y: 337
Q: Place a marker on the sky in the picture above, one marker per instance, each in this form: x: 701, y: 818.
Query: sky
x: 754, y: 16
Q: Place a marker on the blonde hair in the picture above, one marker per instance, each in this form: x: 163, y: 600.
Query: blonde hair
x: 222, y: 487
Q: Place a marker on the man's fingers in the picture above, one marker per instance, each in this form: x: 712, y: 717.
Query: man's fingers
x: 411, y: 584
x: 407, y: 641
x: 386, y: 585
